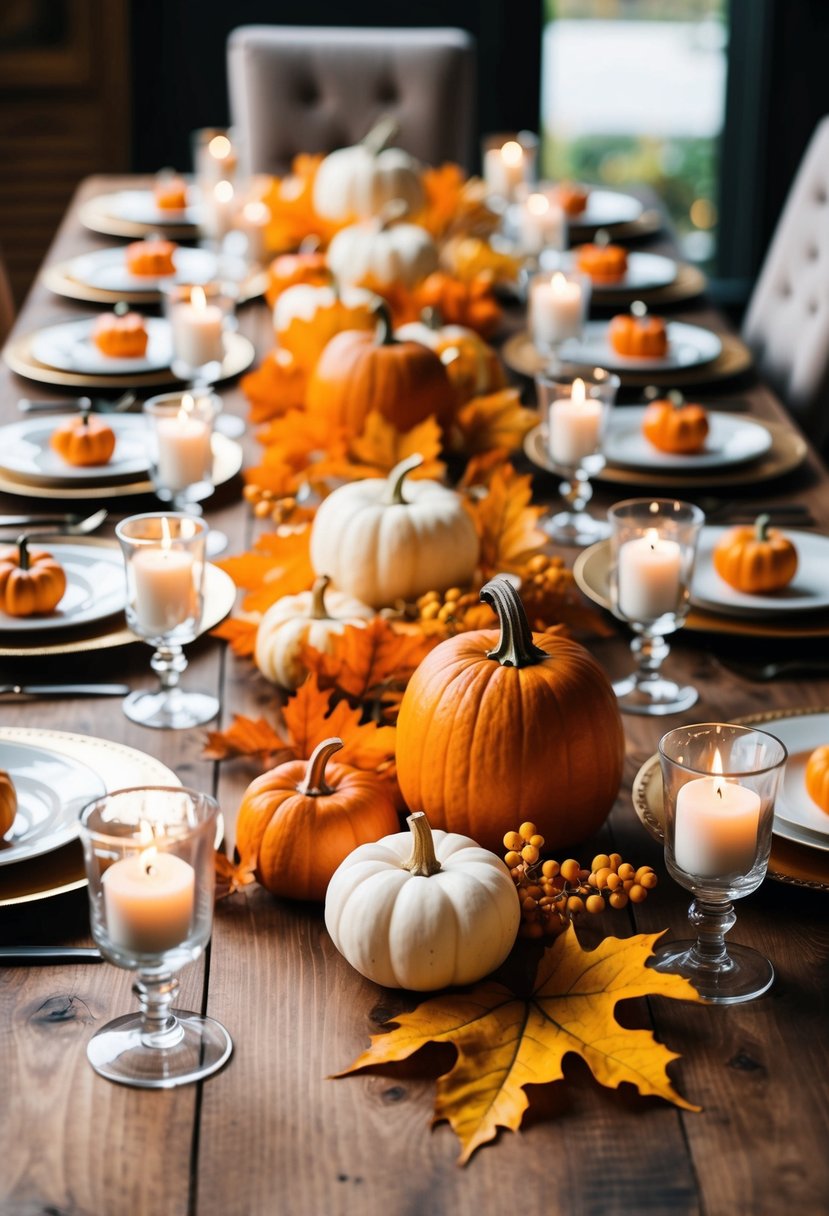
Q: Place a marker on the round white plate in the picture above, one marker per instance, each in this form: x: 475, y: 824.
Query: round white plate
x: 70, y: 348
x: 95, y: 588
x: 688, y: 346
x: 807, y: 592
x: 25, y: 451
x: 605, y: 208
x: 731, y: 440
x: 794, y: 810
x: 139, y: 207
x: 106, y: 269
x: 645, y: 271
x: 51, y: 792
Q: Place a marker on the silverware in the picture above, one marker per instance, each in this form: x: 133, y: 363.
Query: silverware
x: 36, y: 521
x: 100, y: 405
x: 50, y: 954
x: 82, y: 528
x: 772, y: 671
x: 719, y: 508
x: 64, y: 690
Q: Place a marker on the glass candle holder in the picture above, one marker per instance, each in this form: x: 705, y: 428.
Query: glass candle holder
x: 200, y: 316
x: 164, y: 558
x: 557, y: 309
x: 537, y: 224
x: 215, y: 155
x: 180, y: 451
x: 653, y: 550
x: 575, y: 404
x: 720, y: 782
x: 148, y: 854
x: 509, y: 164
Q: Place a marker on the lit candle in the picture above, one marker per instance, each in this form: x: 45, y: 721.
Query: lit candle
x: 649, y: 577
x: 541, y: 224
x: 504, y: 168
x: 219, y: 210
x: 253, y: 222
x: 165, y: 591
x: 717, y: 821
x: 556, y: 310
x: 148, y: 900
x: 574, y: 426
x: 197, y: 329
x: 184, y: 454
x: 216, y: 160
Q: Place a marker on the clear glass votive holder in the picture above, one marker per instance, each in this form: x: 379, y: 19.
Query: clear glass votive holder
x: 148, y: 854
x: 557, y: 308
x: 200, y: 317
x: 653, y: 550
x: 215, y: 152
x: 164, y: 560
x: 509, y: 164
x: 720, y: 782
x: 180, y: 445
x: 575, y: 403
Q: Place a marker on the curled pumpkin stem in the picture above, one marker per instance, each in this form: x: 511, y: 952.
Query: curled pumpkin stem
x: 761, y: 527
x: 395, y: 479
x: 515, y: 646
x: 423, y: 861
x: 318, y: 610
x: 314, y: 785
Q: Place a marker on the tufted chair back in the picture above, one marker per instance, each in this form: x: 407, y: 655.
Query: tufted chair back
x: 787, y: 323
x: 296, y: 89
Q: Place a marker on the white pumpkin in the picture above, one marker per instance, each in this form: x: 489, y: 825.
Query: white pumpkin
x: 304, y: 300
x: 357, y: 182
x: 310, y: 617
x: 382, y: 546
x: 383, y: 252
x: 422, y: 911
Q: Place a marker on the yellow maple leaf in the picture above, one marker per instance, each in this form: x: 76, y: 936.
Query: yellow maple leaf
x: 240, y: 633
x: 506, y: 1040
x: 497, y: 420
x: 506, y: 522
x: 380, y: 447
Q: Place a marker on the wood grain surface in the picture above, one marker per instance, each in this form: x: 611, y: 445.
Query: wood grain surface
x: 271, y: 1134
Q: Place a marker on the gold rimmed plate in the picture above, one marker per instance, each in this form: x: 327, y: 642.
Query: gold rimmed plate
x: 132, y: 213
x: 59, y: 278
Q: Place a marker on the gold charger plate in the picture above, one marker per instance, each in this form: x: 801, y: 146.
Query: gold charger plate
x: 791, y: 863
x: 689, y: 283
x: 219, y: 598
x: 239, y: 356
x: 93, y: 215
x: 646, y: 224
x: 520, y: 356
x: 228, y: 458
x: 59, y: 281
x: 788, y: 450
x: 591, y: 571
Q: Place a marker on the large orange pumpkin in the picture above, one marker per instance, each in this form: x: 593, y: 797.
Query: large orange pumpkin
x: 755, y: 559
x: 638, y: 337
x: 359, y: 373
x: 497, y: 730
x: 303, y: 818
x: 31, y: 581
x: 8, y: 802
x: 676, y: 426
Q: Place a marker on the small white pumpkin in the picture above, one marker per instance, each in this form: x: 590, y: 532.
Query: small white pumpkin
x: 383, y: 252
x: 296, y: 619
x: 422, y: 911
x: 357, y: 182
x: 382, y: 547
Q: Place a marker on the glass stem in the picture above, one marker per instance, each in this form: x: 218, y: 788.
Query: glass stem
x: 168, y: 663
x: 576, y: 492
x: 712, y: 921
x: 650, y: 653
x: 159, y: 1026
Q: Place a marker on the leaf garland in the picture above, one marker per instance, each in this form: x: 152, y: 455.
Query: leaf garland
x: 279, y: 564
x: 506, y: 522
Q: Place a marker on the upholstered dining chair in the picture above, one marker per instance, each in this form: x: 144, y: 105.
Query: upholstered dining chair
x: 304, y: 89
x: 787, y: 322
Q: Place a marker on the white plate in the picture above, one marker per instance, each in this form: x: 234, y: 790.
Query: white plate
x: 731, y: 440
x: 645, y: 271
x: 605, y: 208
x: 95, y: 588
x: 139, y: 207
x: 51, y: 792
x: 106, y: 269
x: 807, y: 592
x: 70, y: 348
x: 688, y: 346
x: 25, y: 451
x: 794, y: 810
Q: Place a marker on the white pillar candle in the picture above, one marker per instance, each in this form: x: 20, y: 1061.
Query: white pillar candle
x: 541, y: 224
x: 716, y: 827
x: 574, y: 427
x: 218, y: 210
x: 148, y: 900
x: 216, y: 160
x: 252, y: 222
x: 184, y: 455
x: 648, y: 576
x: 165, y: 592
x: 197, y: 329
x: 504, y: 168
x: 556, y: 310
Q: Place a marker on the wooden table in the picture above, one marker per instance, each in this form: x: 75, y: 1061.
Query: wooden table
x: 270, y: 1134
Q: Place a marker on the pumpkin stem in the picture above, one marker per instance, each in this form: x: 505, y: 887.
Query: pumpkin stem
x: 392, y: 211
x: 515, y: 646
x: 23, y: 551
x: 383, y: 332
x: 431, y: 317
x: 422, y: 862
x: 761, y: 527
x: 676, y: 398
x: 639, y: 309
x: 378, y: 137
x: 318, y: 610
x: 395, y: 479
x: 314, y: 783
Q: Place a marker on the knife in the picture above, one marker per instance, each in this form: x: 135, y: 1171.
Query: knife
x: 64, y: 690
x: 50, y: 954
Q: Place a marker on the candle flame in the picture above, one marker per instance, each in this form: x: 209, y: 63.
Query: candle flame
x: 219, y: 147
x: 538, y: 204
x: 198, y: 299
x: 145, y: 832
x: 512, y: 152
x: 579, y: 391
x: 716, y: 772
x: 558, y: 282
x: 652, y: 537
x: 223, y: 192
x: 166, y: 534
x: 147, y: 861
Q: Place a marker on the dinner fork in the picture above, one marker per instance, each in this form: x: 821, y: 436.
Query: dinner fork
x: 83, y: 527
x: 99, y: 406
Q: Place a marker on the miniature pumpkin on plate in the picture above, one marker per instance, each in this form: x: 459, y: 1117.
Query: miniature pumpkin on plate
x: 755, y: 559
x: 170, y: 193
x: 84, y: 440
x: 603, y: 263
x: 300, y: 820
x: 817, y: 777
x: 640, y: 337
x: 675, y: 426
x: 121, y: 336
x: 31, y: 580
x: 571, y: 197
x: 8, y: 802
x: 423, y: 910
x: 151, y: 258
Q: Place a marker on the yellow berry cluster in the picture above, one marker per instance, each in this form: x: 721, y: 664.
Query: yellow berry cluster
x: 449, y: 608
x: 545, y: 574
x: 267, y: 505
x: 552, y: 894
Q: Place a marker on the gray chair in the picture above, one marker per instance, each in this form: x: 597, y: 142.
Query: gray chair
x: 787, y: 323
x: 296, y: 89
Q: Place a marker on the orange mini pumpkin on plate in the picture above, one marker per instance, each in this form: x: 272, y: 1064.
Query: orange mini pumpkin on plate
x: 817, y: 777
x: 170, y: 194
x: 638, y: 337
x: 8, y: 802
x: 121, y: 337
x: 151, y: 259
x: 31, y: 580
x: 755, y: 559
x: 603, y: 263
x: 571, y: 197
x: 676, y: 426
x: 84, y: 441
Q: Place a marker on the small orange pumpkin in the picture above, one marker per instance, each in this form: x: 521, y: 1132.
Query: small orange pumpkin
x: 8, y: 802
x: 756, y: 559
x: 291, y: 268
x: 303, y: 818
x: 151, y: 258
x: 676, y: 426
x: 170, y: 193
x: 85, y: 441
x: 121, y: 336
x: 571, y: 197
x: 640, y: 337
x: 817, y: 777
x: 359, y: 373
x: 31, y: 580
x: 603, y: 263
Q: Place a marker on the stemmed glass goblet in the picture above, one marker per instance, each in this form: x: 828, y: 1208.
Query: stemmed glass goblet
x: 200, y: 317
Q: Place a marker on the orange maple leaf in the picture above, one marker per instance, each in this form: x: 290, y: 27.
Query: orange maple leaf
x: 507, y: 1039
x: 495, y: 421
x: 481, y: 468
x: 506, y: 522
x: 240, y: 633
x: 290, y: 200
x: 455, y: 203
x: 279, y: 564
x: 275, y: 387
x: 380, y: 447
x: 232, y: 876
x: 311, y: 716
x: 368, y: 663
x: 245, y: 737
x: 306, y: 338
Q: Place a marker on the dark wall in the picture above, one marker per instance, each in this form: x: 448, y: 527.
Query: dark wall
x: 178, y: 52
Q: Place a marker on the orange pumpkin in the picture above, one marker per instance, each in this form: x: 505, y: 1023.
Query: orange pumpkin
x: 291, y: 268
x: 641, y: 337
x: 303, y: 818
x: 85, y: 440
x: 359, y: 373
x: 170, y: 193
x: 31, y: 580
x: 150, y: 258
x: 8, y: 802
x: 460, y: 302
x: 817, y: 777
x: 571, y: 197
x: 676, y: 426
x: 755, y: 559
x: 495, y: 730
x: 121, y: 337
x: 473, y: 366
x: 603, y: 263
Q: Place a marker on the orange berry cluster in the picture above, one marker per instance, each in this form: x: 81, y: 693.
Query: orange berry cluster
x: 553, y: 894
x: 447, y: 609
x: 545, y: 574
x: 267, y: 505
